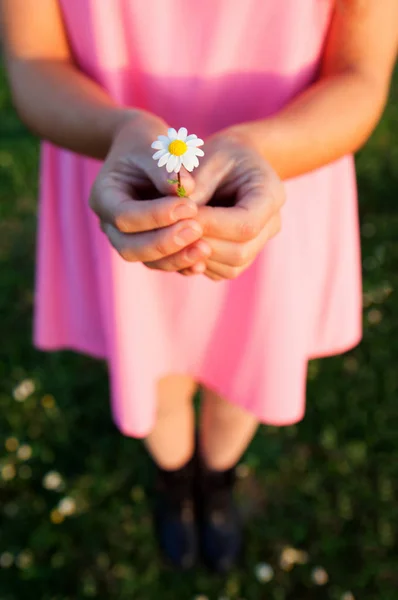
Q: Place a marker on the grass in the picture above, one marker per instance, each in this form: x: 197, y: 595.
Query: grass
x: 327, y: 486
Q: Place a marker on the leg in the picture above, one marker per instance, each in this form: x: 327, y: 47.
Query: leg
x: 171, y: 442
x: 225, y: 434
x: 226, y: 431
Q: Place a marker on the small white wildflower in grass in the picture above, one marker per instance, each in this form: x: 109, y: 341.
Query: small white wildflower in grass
x: 347, y: 596
x: 6, y: 560
x: 175, y: 150
x: 48, y: 401
x: 67, y: 506
x: 264, y: 572
x: 56, y: 517
x: 24, y: 452
x: 319, y: 576
x: 11, y: 444
x: 52, y: 481
x: 287, y: 558
x: 291, y: 556
x: 24, y: 559
x: 23, y: 390
x: 8, y: 472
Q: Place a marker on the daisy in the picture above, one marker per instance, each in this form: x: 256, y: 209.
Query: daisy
x: 177, y: 149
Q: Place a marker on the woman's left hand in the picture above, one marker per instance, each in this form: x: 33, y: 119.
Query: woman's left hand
x: 245, y: 196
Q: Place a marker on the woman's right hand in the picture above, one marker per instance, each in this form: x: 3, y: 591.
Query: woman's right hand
x: 139, y: 211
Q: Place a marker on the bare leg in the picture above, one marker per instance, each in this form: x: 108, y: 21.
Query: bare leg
x: 171, y: 443
x: 225, y: 433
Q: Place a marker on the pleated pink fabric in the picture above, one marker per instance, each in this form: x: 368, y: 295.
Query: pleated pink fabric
x: 204, y: 65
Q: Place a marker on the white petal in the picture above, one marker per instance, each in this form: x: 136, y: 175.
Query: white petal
x: 178, y: 167
x: 159, y: 154
x: 171, y: 163
x: 158, y: 145
x: 164, y: 139
x: 172, y: 133
x: 188, y: 162
x: 182, y: 133
x: 195, y: 161
x: 164, y: 159
x: 191, y: 137
x: 195, y: 142
x: 198, y: 152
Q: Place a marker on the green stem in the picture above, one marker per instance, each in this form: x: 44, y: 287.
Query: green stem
x: 180, y: 189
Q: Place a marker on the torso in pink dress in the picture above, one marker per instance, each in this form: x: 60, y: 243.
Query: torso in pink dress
x: 203, y: 65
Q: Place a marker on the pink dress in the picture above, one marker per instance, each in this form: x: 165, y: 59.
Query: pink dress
x: 203, y: 65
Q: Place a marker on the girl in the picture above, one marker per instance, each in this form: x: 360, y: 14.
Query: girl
x: 279, y: 90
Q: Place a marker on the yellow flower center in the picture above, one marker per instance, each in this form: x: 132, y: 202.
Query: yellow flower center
x: 177, y: 147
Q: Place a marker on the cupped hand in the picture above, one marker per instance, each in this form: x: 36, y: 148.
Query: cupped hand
x: 138, y: 209
x: 240, y: 198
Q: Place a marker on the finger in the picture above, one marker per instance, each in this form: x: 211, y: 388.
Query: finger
x: 190, y: 272
x: 213, y: 170
x: 244, y: 221
x: 114, y: 206
x: 232, y: 254
x: 153, y: 245
x: 192, y: 256
x: 238, y: 256
x: 213, y: 276
x: 216, y: 270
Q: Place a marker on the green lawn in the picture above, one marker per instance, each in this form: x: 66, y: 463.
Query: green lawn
x: 328, y: 486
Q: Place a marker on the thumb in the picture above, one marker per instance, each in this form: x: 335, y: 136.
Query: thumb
x: 212, y: 171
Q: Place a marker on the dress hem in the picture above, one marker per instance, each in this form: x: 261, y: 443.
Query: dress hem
x: 142, y: 433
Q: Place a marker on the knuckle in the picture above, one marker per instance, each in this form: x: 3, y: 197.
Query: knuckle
x: 235, y: 272
x: 232, y: 272
x: 213, y: 277
x: 122, y: 223
x: 169, y: 265
x: 179, y: 262
x: 126, y: 253
x: 156, y: 219
x: 160, y: 249
x: 247, y: 231
x: 96, y: 194
x: 241, y: 255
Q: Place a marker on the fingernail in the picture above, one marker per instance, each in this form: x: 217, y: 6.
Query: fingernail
x: 199, y: 268
x: 188, y: 235
x: 203, y: 248
x: 184, y: 211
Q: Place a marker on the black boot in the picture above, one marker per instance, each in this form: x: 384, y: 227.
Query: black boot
x: 175, y: 515
x: 221, y: 531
